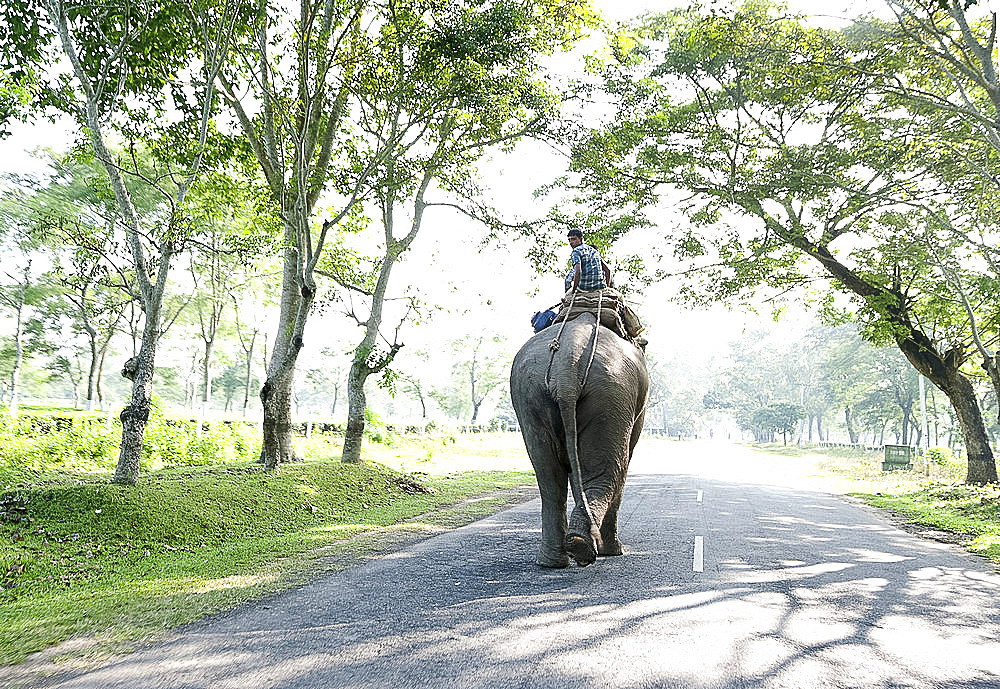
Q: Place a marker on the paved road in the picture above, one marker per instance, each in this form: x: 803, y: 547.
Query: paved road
x: 797, y: 589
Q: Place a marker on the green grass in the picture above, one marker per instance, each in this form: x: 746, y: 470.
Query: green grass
x: 970, y: 512
x: 82, y: 557
x: 929, y: 495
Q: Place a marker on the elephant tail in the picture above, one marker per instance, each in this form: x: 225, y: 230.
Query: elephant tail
x: 567, y: 410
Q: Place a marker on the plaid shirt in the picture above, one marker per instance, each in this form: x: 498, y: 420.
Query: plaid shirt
x: 591, y: 273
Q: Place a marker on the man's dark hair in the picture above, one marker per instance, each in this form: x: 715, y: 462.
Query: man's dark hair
x: 575, y: 233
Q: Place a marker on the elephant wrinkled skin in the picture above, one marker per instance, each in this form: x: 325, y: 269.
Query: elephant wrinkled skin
x: 565, y: 413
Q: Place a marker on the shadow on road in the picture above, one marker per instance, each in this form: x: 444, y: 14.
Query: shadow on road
x: 799, y: 589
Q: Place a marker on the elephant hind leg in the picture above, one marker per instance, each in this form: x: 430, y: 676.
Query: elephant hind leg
x: 610, y: 548
x: 583, y: 540
x: 610, y: 545
x: 549, y: 561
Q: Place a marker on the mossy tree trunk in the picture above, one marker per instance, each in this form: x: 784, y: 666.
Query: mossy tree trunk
x: 276, y: 395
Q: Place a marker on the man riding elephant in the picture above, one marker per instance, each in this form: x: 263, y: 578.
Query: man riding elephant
x: 590, y: 288
x: 588, y: 271
x: 579, y: 391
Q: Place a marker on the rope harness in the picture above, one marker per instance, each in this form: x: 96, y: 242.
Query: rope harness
x: 554, y: 344
x: 593, y: 350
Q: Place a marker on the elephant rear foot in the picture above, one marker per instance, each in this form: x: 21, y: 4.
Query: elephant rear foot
x: 610, y: 549
x: 581, y: 549
x: 552, y: 561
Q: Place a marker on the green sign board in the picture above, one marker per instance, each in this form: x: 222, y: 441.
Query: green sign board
x: 897, y: 457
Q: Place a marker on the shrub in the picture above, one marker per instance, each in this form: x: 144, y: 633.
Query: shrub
x: 86, y: 442
x: 942, y: 456
x: 83, y: 447
x: 374, y: 427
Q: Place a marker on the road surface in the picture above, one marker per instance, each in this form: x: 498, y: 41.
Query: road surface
x: 732, y: 578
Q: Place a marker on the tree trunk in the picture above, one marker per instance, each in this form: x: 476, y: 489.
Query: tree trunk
x: 136, y: 414
x: 276, y: 399
x: 206, y: 381
x: 92, y: 374
x: 278, y: 390
x: 981, y: 463
x: 246, y: 386
x: 100, y: 372
x: 944, y: 372
x: 940, y: 369
x: 356, y: 404
x: 365, y: 364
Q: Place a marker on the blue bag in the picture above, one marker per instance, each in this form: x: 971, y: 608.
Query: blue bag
x: 542, y: 319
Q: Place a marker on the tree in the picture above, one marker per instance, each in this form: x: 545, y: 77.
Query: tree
x: 787, y: 153
x: 939, y: 62
x: 72, y: 221
x: 677, y: 393
x: 779, y: 417
x: 481, y: 365
x: 228, y: 255
x: 322, y: 384
x: 440, y: 87
x: 846, y: 372
x: 131, y: 54
x: 755, y: 379
x: 291, y: 96
x: 414, y: 385
x: 248, y: 340
x: 487, y: 370
x: 17, y: 295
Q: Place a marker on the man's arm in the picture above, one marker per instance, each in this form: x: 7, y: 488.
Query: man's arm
x: 576, y: 275
x: 607, y: 273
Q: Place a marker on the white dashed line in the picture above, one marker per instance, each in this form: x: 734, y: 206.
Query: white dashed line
x: 700, y: 493
x: 699, y: 554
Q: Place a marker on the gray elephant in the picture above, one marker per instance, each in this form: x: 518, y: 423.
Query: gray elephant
x: 580, y: 409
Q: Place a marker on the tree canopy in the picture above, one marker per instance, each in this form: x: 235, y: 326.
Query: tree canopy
x: 796, y: 169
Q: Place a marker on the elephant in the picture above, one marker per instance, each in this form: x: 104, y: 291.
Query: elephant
x: 579, y: 392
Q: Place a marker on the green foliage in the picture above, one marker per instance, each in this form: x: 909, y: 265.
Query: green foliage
x: 375, y: 429
x: 778, y: 417
x: 942, y: 456
x: 788, y: 128
x: 84, y: 442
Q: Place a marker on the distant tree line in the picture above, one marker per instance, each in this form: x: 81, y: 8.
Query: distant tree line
x: 832, y: 386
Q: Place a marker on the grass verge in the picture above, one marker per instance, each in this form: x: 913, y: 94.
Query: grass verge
x: 970, y: 513
x: 929, y: 495
x: 80, y: 557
